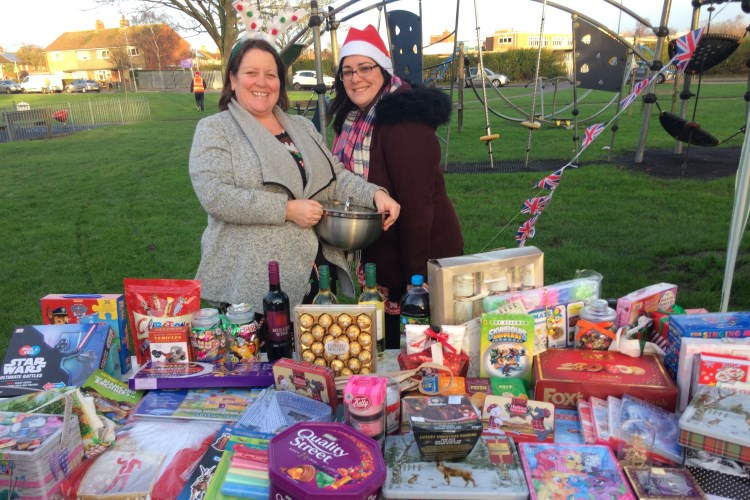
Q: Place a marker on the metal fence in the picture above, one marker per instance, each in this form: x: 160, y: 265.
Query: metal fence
x: 23, y: 122
x: 178, y: 80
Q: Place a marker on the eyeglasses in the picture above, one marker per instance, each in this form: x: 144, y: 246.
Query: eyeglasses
x: 362, y: 71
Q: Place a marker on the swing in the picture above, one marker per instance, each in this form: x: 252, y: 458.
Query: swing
x: 685, y: 131
x: 712, y: 49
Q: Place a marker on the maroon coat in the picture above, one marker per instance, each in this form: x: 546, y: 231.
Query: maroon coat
x: 405, y: 159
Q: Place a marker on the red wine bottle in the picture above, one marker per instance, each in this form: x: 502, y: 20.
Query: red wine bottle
x: 276, y: 311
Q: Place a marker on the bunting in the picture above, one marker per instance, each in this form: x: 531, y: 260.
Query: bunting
x: 526, y: 230
x: 592, y: 132
x: 551, y: 181
x: 535, y: 206
x: 638, y: 88
x: 685, y: 48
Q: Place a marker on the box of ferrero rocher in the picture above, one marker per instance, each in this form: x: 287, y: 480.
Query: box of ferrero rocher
x: 340, y: 336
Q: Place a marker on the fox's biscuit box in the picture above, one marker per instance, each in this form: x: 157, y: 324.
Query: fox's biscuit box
x: 38, y: 451
x: 562, y: 376
x: 92, y: 308
x: 42, y: 357
x: 730, y: 325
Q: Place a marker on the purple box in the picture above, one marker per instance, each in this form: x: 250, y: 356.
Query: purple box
x: 198, y: 375
x: 317, y: 460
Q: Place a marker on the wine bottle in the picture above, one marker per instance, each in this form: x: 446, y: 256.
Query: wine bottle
x: 276, y: 311
x: 325, y: 296
x: 371, y: 295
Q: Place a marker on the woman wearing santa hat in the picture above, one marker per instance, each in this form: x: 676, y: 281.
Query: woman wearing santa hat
x: 385, y: 132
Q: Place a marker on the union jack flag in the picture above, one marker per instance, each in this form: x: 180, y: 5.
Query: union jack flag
x: 551, y: 181
x: 686, y: 46
x: 526, y: 230
x: 536, y: 205
x: 592, y: 133
x: 637, y: 89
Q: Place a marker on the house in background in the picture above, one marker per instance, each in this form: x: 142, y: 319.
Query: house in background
x: 107, y: 54
x: 11, y: 66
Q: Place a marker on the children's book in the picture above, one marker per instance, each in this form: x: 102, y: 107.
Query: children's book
x: 490, y: 472
x: 600, y: 414
x: 200, y: 480
x: 587, y: 421
x: 663, y: 483
x: 718, y: 476
x: 568, y: 427
x: 218, y: 404
x: 112, y: 398
x: 655, y: 426
x: 520, y: 418
x: 717, y: 421
x: 573, y: 471
x: 507, y: 346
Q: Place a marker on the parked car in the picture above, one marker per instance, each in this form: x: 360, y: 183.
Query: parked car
x: 9, y: 87
x: 665, y: 76
x: 496, y: 79
x: 82, y: 85
x: 307, y: 79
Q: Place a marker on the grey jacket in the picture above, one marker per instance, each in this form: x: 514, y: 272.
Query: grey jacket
x: 243, y: 177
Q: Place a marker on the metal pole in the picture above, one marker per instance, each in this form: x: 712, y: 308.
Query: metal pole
x: 661, y: 32
x: 688, y: 78
x: 333, y: 25
x: 315, y: 21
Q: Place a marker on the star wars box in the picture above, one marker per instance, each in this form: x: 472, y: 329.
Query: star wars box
x: 41, y: 357
x: 562, y: 376
x: 61, y: 308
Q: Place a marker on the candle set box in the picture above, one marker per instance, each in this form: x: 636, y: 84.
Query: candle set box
x: 730, y: 325
x: 42, y: 357
x: 658, y: 297
x: 562, y: 376
x: 92, y: 308
x: 315, y: 460
x: 170, y: 344
x: 340, y: 336
x: 445, y: 427
x: 173, y: 375
x: 37, y: 452
x: 315, y: 382
x: 458, y: 284
x: 555, y: 308
x: 491, y: 471
x: 716, y: 421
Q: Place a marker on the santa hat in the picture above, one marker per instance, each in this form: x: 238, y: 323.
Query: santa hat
x: 197, y: 72
x: 366, y: 42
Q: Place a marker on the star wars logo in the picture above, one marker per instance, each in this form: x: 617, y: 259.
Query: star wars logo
x: 23, y: 366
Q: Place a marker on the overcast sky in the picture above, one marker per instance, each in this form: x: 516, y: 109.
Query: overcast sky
x: 40, y: 22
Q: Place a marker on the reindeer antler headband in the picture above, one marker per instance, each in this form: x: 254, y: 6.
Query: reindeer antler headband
x: 256, y: 27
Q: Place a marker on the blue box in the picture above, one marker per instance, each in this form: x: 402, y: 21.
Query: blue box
x: 41, y: 357
x: 730, y: 325
x: 61, y: 308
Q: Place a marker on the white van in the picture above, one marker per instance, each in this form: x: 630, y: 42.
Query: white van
x: 42, y: 83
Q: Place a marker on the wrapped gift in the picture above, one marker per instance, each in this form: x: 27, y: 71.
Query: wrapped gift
x: 425, y: 345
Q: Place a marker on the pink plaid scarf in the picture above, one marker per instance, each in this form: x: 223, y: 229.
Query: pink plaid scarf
x: 352, y: 145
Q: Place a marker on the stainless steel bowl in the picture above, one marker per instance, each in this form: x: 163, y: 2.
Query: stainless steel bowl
x: 349, y: 227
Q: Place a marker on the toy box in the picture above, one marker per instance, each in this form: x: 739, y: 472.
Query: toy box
x: 315, y: 382
x: 38, y: 451
x: 507, y: 346
x: 661, y: 296
x: 555, y: 308
x: 562, y: 376
x: 459, y: 284
x: 92, y: 308
x: 168, y: 375
x: 731, y: 325
x: 52, y: 356
x: 170, y: 344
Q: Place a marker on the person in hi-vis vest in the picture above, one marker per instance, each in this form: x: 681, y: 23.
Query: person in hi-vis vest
x: 198, y: 87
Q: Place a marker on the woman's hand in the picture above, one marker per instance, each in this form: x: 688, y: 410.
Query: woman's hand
x: 387, y: 204
x: 304, y: 213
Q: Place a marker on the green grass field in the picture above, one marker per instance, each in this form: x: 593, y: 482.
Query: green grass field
x: 83, y: 211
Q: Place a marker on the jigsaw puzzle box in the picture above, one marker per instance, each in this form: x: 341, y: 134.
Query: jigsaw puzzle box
x: 108, y: 308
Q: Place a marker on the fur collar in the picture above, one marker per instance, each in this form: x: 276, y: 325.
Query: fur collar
x: 419, y: 104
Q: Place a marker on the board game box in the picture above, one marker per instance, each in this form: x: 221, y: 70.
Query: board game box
x: 43, y: 357
x: 217, y: 404
x: 199, y: 375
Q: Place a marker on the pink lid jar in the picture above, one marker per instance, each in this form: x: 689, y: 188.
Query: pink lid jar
x: 315, y: 460
x: 365, y: 405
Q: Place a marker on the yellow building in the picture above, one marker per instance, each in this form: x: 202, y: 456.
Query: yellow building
x: 508, y: 39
